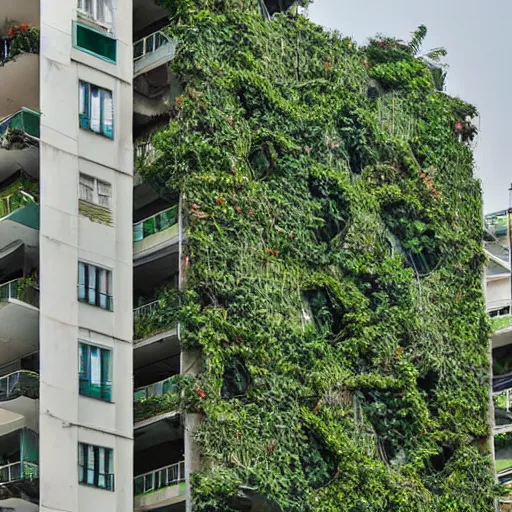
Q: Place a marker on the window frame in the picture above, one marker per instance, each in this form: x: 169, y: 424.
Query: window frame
x: 85, y: 94
x: 104, y: 357
x: 96, y: 182
x: 92, y: 279
x: 76, y: 25
x: 90, y: 460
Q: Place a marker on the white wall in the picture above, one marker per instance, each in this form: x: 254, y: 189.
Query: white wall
x: 65, y: 417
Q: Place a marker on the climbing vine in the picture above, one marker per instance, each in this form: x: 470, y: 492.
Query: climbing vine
x: 332, y: 268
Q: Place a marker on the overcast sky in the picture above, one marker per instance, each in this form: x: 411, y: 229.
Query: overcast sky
x: 476, y: 35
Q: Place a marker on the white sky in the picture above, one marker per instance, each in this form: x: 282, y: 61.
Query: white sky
x: 476, y: 34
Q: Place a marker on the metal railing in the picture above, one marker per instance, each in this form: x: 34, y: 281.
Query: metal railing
x: 146, y: 309
x: 155, y: 223
x: 146, y: 152
x: 20, y: 290
x: 25, y: 120
x: 159, y: 478
x: 157, y: 389
x: 19, y: 383
x: 16, y: 471
x: 150, y: 44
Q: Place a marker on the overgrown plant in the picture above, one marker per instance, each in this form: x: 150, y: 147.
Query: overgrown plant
x: 332, y: 269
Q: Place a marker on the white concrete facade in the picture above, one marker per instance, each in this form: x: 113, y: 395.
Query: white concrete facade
x: 66, y: 150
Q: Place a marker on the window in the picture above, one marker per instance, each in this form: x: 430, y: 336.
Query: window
x: 94, y: 42
x: 95, y: 372
x: 95, y: 191
x: 98, y: 10
x: 95, y: 286
x: 95, y: 466
x: 96, y: 110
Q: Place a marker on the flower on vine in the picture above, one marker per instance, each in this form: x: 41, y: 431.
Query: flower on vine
x: 24, y: 27
x: 200, y: 393
x: 220, y: 201
x: 11, y: 31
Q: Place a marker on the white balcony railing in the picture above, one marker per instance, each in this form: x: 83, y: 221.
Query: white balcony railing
x: 17, y: 289
x: 16, y: 471
x: 152, y: 51
x: 160, y: 478
x: 156, y: 389
x: 145, y: 153
x: 155, y: 223
x: 146, y: 310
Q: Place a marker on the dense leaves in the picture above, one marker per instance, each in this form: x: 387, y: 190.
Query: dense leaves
x: 333, y: 268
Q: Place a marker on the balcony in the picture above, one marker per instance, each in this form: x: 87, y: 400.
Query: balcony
x: 19, y: 67
x: 161, y: 487
x: 19, y: 472
x: 19, y: 319
x: 19, y: 144
x: 156, y: 399
x: 158, y: 316
x: 155, y: 233
x: 152, y: 51
x: 17, y: 384
x: 145, y: 154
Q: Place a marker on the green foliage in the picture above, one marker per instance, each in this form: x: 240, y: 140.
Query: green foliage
x: 500, y: 322
x: 338, y: 258
x: 159, y: 318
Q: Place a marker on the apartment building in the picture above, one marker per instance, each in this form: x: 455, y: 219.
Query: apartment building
x: 499, y: 300
x: 88, y: 256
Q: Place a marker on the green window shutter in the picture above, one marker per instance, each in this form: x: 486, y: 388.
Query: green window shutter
x: 96, y: 43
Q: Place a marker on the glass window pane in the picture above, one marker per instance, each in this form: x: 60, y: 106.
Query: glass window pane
x: 95, y: 373
x: 91, y: 274
x: 150, y: 43
x: 104, y: 194
x: 95, y: 42
x: 108, y: 114
x: 86, y: 188
x: 81, y: 281
x: 84, y: 361
x: 95, y: 113
x: 83, y: 98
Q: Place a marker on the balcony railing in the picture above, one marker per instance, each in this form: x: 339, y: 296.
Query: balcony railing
x: 145, y: 153
x: 20, y: 383
x: 152, y: 51
x: 25, y: 120
x: 20, y: 289
x: 146, y: 310
x: 14, y: 198
x: 18, y: 471
x: 160, y: 478
x: 157, y: 389
x: 155, y: 224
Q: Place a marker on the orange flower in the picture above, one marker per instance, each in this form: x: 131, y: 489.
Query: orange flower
x: 24, y: 27
x: 220, y: 201
x: 11, y: 32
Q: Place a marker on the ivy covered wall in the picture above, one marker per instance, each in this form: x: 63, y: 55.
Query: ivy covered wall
x: 333, y: 267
